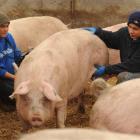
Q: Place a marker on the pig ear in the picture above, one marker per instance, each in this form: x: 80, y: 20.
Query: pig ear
x: 50, y: 92
x: 22, y: 89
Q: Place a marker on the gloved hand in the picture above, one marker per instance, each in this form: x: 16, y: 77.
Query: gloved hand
x: 91, y: 29
x: 100, y: 71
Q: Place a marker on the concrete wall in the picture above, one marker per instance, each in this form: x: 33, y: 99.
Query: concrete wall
x: 76, y: 12
x: 92, y: 6
x: 54, y: 5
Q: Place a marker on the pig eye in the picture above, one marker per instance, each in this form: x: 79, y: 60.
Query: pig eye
x: 25, y: 98
x: 45, y: 100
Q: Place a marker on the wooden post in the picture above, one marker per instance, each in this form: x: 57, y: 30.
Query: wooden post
x: 72, y: 7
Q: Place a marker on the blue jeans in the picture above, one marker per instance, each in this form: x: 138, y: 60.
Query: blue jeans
x: 6, y: 89
x: 125, y: 76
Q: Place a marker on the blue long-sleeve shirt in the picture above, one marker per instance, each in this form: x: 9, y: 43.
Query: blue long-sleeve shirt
x: 9, y: 53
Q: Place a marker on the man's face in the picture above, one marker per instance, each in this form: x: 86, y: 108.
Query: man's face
x: 4, y: 29
x: 134, y: 31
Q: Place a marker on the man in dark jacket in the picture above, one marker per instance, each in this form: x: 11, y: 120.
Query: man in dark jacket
x: 9, y: 55
x: 127, y: 40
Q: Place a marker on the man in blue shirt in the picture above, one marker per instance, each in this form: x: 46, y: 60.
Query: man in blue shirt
x: 9, y: 54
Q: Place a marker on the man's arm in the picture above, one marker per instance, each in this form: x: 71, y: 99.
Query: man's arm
x: 5, y: 74
x: 9, y: 75
x: 131, y: 64
x: 111, y: 39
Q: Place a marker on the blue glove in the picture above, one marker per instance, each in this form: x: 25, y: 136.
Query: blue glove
x: 91, y: 29
x: 100, y: 71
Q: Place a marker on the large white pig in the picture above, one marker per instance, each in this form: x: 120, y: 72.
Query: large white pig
x: 55, y: 72
x: 118, y: 108
x: 31, y: 31
x: 77, y: 134
x: 114, y: 55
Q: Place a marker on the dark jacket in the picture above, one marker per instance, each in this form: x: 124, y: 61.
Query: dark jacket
x: 129, y: 50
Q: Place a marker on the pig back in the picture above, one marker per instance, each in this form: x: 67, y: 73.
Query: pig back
x: 31, y: 31
x: 116, y: 27
x: 118, y: 109
x: 77, y: 134
x: 65, y: 60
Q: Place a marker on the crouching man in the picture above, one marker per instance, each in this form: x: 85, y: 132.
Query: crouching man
x: 9, y: 56
x: 127, y: 40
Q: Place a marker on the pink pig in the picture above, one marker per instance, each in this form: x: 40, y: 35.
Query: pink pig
x: 31, y: 31
x: 117, y: 108
x: 55, y: 72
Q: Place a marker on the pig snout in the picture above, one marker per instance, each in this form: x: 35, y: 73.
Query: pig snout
x: 36, y: 117
x: 36, y: 121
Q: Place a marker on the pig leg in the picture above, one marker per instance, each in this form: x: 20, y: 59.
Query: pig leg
x: 25, y: 126
x: 81, y: 107
x: 61, y: 115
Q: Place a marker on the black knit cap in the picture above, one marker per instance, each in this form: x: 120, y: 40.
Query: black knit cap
x: 134, y: 18
x: 4, y: 19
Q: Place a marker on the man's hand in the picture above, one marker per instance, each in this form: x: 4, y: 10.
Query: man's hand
x: 9, y: 75
x: 100, y: 71
x: 91, y: 29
